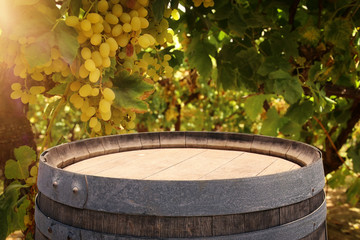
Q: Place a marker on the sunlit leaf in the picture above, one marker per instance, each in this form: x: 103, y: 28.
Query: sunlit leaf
x: 129, y: 89
x: 66, y: 38
x: 19, y: 168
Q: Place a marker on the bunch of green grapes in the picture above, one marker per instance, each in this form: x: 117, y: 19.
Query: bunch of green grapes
x: 112, y: 34
x: 206, y: 3
x: 112, y: 31
x: 33, y: 78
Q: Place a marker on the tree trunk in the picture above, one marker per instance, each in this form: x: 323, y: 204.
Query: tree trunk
x: 15, y: 128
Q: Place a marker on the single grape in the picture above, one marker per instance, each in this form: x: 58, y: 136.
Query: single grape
x: 76, y: 100
x: 95, y: 39
x: 34, y: 90
x: 72, y: 21
x: 16, y: 94
x: 104, y: 49
x: 167, y: 57
x: 85, y: 53
x: 97, y: 27
x: 112, y: 43
x: 127, y: 27
x: 135, y: 23
x: 95, y: 92
x: 90, y: 65
x: 83, y: 72
x: 125, y: 18
x: 85, y: 25
x: 93, y: 17
x: 90, y: 111
x: 94, y: 76
x: 107, y: 27
x: 123, y: 40
x: 16, y: 86
x: 103, y: 6
x: 142, y: 12
x: 117, y: 10
x: 108, y: 94
x: 106, y: 116
x: 97, y: 128
x: 106, y: 62
x: 117, y: 30
x: 85, y: 90
x: 75, y: 86
x: 97, y: 58
x: 93, y: 122
x: 104, y: 106
x: 111, y: 18
x: 144, y: 41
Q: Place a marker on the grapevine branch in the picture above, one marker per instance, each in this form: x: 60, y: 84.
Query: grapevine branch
x: 53, y: 117
x: 329, y: 138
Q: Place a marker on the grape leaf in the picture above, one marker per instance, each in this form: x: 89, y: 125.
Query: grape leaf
x: 16, y: 218
x: 254, y: 105
x: 271, y: 64
x: 338, y: 32
x: 286, y: 85
x: 20, y: 169
x: 8, y: 200
x: 272, y: 123
x: 37, y: 53
x: 199, y: 52
x: 354, y: 154
x: 66, y: 38
x: 300, y: 112
x: 158, y: 8
x: 59, y: 89
x: 353, y: 192
x: 236, y: 24
x: 291, y: 129
x: 226, y: 76
x: 128, y: 90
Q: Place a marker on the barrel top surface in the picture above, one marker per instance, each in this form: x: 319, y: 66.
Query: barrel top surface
x: 181, y: 173
x: 182, y: 164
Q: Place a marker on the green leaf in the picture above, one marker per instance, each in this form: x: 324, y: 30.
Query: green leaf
x: 37, y: 53
x: 300, y: 112
x: 66, y: 38
x: 237, y: 25
x: 59, y: 89
x: 20, y: 169
x: 227, y: 76
x: 254, y: 106
x: 128, y: 90
x: 272, y: 123
x: 337, y: 178
x: 75, y: 7
x: 158, y: 8
x: 291, y: 129
x: 8, y: 203
x: 353, y: 192
x: 271, y: 64
x: 354, y: 154
x: 286, y: 85
x: 199, y: 52
x: 338, y: 32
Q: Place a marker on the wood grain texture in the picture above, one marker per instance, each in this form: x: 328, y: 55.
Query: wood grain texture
x: 182, y: 164
x: 181, y: 227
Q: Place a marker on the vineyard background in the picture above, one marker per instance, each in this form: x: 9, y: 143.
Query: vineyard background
x: 280, y: 68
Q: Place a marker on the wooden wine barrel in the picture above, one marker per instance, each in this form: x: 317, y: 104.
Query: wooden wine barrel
x: 181, y: 185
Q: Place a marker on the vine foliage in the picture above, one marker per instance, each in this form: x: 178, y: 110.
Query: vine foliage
x: 282, y: 68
